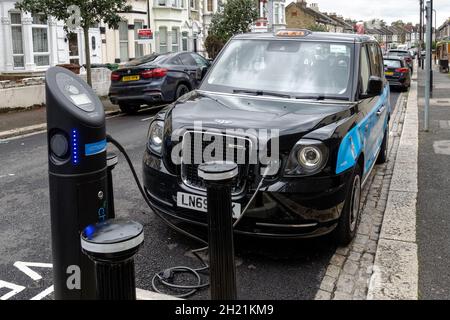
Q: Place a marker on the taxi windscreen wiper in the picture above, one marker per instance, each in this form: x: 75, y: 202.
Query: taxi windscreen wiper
x: 320, y: 97
x: 262, y: 93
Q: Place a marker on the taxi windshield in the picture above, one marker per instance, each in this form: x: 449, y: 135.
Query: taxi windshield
x: 295, y: 68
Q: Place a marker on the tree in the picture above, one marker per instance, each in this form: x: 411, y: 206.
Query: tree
x: 317, y: 27
x: 79, y: 13
x: 236, y: 17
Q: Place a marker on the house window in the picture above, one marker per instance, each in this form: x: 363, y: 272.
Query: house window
x: 282, y: 20
x: 138, y: 47
x: 184, y: 41
x: 209, y: 5
x: 39, y: 32
x: 123, y: 40
x: 162, y: 39
x: 175, y: 40
x: 17, y: 40
x: 161, y: 3
x: 276, y: 13
x: 193, y: 4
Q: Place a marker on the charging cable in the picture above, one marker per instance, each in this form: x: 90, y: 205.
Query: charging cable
x: 166, y: 276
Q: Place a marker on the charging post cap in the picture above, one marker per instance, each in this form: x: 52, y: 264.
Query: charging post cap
x: 113, y: 237
x: 217, y: 170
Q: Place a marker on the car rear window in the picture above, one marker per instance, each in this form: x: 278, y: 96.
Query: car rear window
x: 399, y: 53
x: 392, y: 63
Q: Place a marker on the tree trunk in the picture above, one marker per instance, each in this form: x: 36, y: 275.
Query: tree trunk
x: 87, y: 53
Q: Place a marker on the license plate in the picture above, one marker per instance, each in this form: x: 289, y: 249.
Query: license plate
x: 130, y: 78
x: 389, y: 73
x: 199, y: 203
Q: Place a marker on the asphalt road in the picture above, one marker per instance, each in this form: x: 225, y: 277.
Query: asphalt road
x: 266, y: 269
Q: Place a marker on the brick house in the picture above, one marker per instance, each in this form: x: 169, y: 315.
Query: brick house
x: 299, y: 15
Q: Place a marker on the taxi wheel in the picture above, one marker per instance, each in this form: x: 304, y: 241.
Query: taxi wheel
x: 382, y: 157
x: 129, y: 108
x: 350, y: 215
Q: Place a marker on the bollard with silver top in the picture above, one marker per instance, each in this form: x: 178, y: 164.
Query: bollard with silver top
x: 218, y: 176
x: 111, y: 245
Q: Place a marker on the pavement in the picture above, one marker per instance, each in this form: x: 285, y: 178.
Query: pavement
x: 433, y: 202
x: 266, y: 269
x: 29, y: 120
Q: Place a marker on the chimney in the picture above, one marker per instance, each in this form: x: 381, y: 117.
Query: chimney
x: 314, y: 6
x: 302, y: 3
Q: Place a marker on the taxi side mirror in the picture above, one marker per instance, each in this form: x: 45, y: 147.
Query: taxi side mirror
x: 375, y: 87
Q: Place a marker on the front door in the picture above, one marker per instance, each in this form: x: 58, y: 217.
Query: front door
x: 74, y: 51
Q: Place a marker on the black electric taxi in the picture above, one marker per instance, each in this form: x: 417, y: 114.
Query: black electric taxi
x: 155, y: 79
x: 305, y: 115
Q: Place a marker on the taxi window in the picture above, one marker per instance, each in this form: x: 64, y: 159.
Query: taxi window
x: 300, y: 68
x: 364, y: 70
x: 376, y: 60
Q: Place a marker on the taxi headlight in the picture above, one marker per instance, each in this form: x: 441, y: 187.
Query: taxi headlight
x: 307, y: 157
x: 155, y: 136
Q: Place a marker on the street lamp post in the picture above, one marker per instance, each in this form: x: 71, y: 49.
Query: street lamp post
x: 430, y: 34
x: 420, y: 35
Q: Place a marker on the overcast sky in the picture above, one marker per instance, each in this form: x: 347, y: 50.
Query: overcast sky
x: 388, y: 10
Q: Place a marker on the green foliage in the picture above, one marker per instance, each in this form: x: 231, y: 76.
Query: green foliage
x: 317, y: 28
x: 236, y: 17
x: 91, y: 12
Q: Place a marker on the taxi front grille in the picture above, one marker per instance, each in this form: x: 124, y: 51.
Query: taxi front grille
x: 198, y: 146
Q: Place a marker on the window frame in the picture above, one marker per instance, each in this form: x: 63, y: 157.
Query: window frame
x: 44, y: 26
x: 136, y: 39
x: 124, y: 41
x: 161, y: 44
x: 17, y: 25
x: 175, y: 32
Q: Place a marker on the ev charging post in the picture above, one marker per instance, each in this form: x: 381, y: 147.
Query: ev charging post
x: 77, y: 168
x: 218, y: 177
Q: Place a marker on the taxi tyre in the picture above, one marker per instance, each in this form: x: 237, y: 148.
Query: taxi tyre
x: 383, y: 155
x: 129, y: 108
x: 349, y: 220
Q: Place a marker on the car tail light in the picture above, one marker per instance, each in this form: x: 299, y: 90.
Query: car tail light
x: 115, y: 76
x: 154, y: 73
x: 402, y: 70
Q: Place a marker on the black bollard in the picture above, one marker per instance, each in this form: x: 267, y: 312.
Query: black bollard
x: 111, y: 162
x: 112, y: 245
x: 218, y: 177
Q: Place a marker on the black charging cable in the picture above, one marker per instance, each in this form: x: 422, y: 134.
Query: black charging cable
x: 166, y: 276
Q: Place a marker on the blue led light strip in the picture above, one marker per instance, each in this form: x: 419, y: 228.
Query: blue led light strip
x: 74, y: 139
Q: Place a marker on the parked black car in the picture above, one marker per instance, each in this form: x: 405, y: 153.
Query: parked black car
x: 397, y: 72
x: 405, y: 54
x: 156, y: 79
x: 327, y: 96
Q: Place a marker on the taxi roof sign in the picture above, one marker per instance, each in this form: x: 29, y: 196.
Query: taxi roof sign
x: 293, y: 33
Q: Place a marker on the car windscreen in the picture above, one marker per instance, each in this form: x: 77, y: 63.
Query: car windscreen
x: 150, y: 58
x: 297, y: 68
x: 392, y: 63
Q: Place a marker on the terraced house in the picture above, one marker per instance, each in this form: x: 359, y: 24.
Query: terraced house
x: 177, y: 25
x: 31, y: 44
